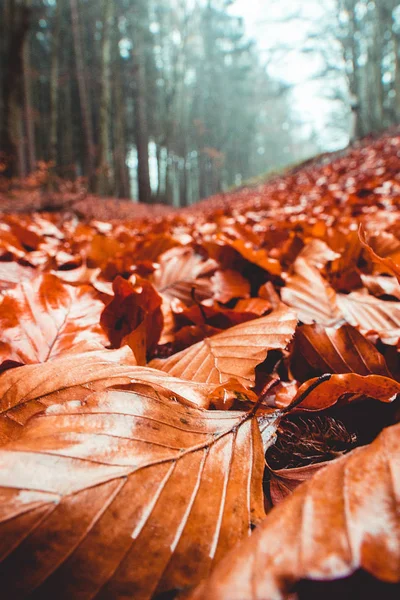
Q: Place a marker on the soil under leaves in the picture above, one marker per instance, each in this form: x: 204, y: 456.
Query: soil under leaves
x: 171, y: 381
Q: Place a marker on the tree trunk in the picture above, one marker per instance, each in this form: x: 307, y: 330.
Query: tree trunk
x: 28, y: 112
x: 141, y: 124
x: 83, y: 92
x: 54, y: 84
x: 104, y: 166
x: 122, y: 182
x: 16, y: 25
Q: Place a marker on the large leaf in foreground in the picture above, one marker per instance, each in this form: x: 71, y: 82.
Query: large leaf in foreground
x: 44, y: 318
x: 126, y: 494
x: 234, y: 353
x: 345, y: 518
x: 30, y: 389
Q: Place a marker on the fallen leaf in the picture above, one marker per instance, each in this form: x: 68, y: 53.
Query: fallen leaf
x: 32, y: 388
x: 43, y: 318
x: 179, y: 274
x: 344, y: 519
x: 228, y: 285
x: 372, y: 315
x: 11, y: 273
x: 317, y: 253
x: 329, y: 392
x: 311, y: 296
x: 392, y: 247
x: 234, y: 353
x: 257, y: 306
x: 134, y: 302
x: 116, y: 492
x: 380, y: 285
x: 329, y: 350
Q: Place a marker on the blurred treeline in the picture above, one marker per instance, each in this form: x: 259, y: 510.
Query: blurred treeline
x: 169, y: 100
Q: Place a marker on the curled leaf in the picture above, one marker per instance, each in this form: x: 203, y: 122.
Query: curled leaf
x: 329, y: 392
x: 135, y: 302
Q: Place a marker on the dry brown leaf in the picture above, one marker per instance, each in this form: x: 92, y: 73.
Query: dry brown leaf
x: 44, y: 318
x: 234, y: 353
x: 11, y: 273
x: 126, y: 495
x: 372, y: 315
x: 312, y: 297
x: 381, y: 285
x: 345, y: 518
x: 229, y: 284
x: 328, y: 393
x: 135, y: 303
x: 257, y: 306
x: 32, y: 388
x: 317, y: 253
x: 180, y: 273
x: 389, y: 246
x: 283, y: 482
x: 329, y: 350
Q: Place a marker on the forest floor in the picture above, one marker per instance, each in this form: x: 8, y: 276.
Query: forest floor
x: 34, y: 193
x: 171, y: 380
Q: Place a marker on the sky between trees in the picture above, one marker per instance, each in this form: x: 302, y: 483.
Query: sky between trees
x: 174, y: 100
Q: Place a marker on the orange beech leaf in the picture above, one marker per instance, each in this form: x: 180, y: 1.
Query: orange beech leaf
x: 344, y: 519
x: 257, y: 257
x: 257, y: 306
x: 215, y: 315
x: 32, y: 388
x: 115, y: 492
x: 9, y: 243
x: 26, y: 236
x: 11, y: 273
x: 388, y: 245
x: 312, y: 296
x: 350, y: 250
x: 372, y: 315
x: 227, y: 252
x: 192, y: 334
x: 330, y: 350
x: 381, y: 285
x: 154, y: 246
x: 329, y: 392
x: 317, y: 253
x: 234, y: 353
x: 43, y: 318
x: 102, y: 249
x: 134, y: 302
x: 283, y: 482
x: 180, y: 272
x: 80, y: 275
x: 228, y: 285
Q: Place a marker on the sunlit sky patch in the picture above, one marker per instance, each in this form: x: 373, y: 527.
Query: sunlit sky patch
x: 268, y: 22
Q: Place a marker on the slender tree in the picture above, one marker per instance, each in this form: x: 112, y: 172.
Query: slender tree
x: 84, y: 99
x: 104, y: 179
x: 15, y: 27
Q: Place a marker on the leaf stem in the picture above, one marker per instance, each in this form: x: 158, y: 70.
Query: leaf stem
x: 307, y: 392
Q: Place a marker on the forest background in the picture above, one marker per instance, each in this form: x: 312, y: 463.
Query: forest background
x: 171, y: 101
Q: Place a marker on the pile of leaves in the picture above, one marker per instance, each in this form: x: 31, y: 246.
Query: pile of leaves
x: 170, y: 384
